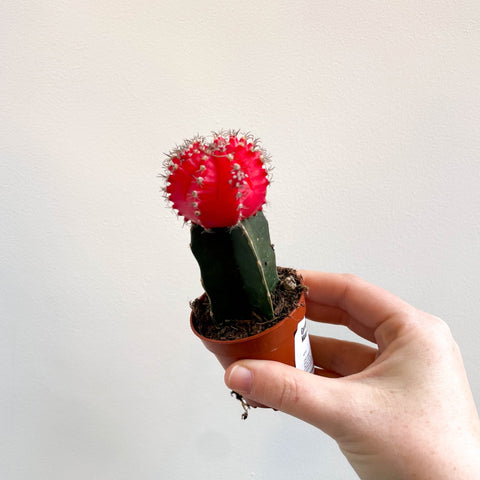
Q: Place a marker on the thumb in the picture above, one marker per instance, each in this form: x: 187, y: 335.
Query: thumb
x: 312, y: 398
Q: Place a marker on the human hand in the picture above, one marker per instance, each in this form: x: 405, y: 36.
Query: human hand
x: 399, y: 411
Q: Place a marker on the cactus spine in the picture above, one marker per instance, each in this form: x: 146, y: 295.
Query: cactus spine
x: 220, y: 187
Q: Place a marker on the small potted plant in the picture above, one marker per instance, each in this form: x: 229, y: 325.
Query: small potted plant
x: 251, y: 308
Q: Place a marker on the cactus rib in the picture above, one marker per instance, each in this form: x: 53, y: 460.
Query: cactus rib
x: 238, y: 268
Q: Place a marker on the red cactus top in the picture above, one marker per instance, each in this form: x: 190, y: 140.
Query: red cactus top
x: 217, y: 183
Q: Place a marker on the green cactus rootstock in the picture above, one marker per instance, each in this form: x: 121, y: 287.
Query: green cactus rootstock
x: 238, y: 268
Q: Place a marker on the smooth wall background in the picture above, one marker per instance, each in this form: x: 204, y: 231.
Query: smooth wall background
x: 371, y: 112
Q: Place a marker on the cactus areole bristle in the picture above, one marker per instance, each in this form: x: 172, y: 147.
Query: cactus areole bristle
x: 217, y: 182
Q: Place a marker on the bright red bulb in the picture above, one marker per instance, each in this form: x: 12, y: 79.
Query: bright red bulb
x: 217, y: 184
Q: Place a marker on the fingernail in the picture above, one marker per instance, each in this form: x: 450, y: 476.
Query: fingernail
x: 240, y: 379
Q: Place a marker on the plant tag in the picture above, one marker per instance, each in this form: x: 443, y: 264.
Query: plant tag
x: 303, y: 351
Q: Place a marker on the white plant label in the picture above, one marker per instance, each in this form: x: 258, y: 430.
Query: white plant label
x: 303, y: 351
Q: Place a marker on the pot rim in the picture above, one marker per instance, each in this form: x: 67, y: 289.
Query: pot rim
x: 278, y: 325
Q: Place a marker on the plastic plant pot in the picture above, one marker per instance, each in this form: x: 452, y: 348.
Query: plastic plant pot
x: 286, y: 342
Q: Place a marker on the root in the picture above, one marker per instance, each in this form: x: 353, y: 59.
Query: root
x: 245, y: 405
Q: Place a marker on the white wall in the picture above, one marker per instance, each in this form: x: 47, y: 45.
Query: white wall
x: 371, y: 111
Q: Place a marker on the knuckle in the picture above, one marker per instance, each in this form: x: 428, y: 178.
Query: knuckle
x: 437, y: 332
x: 442, y: 325
x: 350, y: 278
x: 289, y: 394
x: 349, y: 282
x: 439, y: 327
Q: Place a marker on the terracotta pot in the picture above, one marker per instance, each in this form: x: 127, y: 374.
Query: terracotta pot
x: 280, y: 343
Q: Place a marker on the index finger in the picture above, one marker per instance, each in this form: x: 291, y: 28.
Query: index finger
x: 361, y: 306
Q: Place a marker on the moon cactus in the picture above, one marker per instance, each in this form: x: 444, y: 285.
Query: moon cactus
x: 219, y: 186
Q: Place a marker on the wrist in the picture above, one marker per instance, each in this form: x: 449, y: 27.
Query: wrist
x: 456, y: 459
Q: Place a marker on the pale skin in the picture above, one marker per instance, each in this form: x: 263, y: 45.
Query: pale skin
x: 400, y: 410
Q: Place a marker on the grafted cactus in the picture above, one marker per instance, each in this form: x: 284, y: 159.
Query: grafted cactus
x: 220, y: 186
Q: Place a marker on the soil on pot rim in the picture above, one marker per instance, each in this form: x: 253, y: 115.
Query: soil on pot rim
x: 285, y: 298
